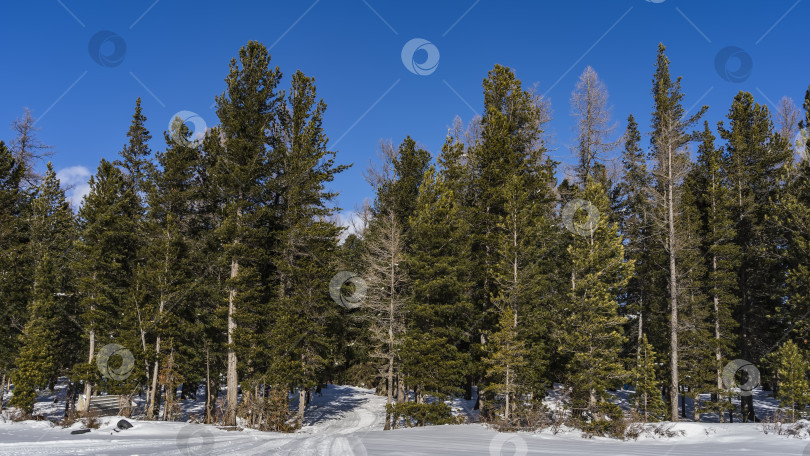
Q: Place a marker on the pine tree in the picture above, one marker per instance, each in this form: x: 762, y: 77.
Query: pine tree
x: 433, y: 356
x: 49, y: 341
x: 37, y: 361
x: 669, y: 136
x: 106, y: 253
x: 648, y: 388
x: 755, y: 155
x: 696, y: 345
x: 15, y: 264
x: 714, y: 202
x: 792, y: 368
x: 307, y: 243
x: 592, y: 328
x: 247, y: 112
x: 165, y: 306
x: 136, y: 155
x: 510, y: 146
x: 400, y: 192
x: 506, y: 355
x: 210, y: 318
x: 642, y: 305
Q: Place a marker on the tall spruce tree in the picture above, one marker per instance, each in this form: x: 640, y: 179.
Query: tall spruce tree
x: 755, y: 154
x: 167, y: 272
x: 696, y: 346
x: 106, y: 253
x: 247, y: 111
x: 670, y: 135
x: 509, y: 153
x: 307, y: 243
x: 49, y: 341
x: 433, y: 354
x: 720, y: 253
x: 15, y: 267
x: 634, y: 213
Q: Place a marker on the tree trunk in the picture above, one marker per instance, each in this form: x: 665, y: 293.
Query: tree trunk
x: 747, y: 409
x: 150, y: 412
x: 390, y: 390
x: 233, y: 381
x: 88, y: 388
x: 638, y: 358
x: 508, y: 385
x: 71, y: 392
x: 302, y: 404
x: 209, y: 418
x: 2, y: 391
x: 392, y: 290
x: 645, y: 406
x: 673, y: 287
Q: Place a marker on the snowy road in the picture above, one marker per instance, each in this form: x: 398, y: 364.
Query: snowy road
x: 348, y: 420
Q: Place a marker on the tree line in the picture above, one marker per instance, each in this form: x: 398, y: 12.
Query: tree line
x: 651, y: 264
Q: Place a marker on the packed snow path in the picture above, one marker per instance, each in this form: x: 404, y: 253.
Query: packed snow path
x: 348, y: 420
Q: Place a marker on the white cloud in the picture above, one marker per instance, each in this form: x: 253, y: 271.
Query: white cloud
x: 352, y: 221
x: 74, y: 180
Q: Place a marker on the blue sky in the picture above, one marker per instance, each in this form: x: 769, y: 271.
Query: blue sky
x: 177, y: 52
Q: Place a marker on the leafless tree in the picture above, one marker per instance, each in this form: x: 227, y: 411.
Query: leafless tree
x: 787, y: 118
x: 27, y: 147
x: 589, y: 105
x: 385, y: 304
x: 377, y: 174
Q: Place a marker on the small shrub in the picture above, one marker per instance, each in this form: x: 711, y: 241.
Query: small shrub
x: 780, y: 423
x: 15, y: 415
x: 606, y: 420
x: 68, y: 420
x: 90, y: 420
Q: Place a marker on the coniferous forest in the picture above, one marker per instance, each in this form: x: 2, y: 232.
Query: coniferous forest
x: 488, y: 271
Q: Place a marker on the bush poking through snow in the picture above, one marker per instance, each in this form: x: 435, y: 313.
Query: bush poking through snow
x: 90, y: 420
x: 780, y: 423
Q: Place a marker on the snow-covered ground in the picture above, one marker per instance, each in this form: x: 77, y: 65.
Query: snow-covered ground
x: 348, y: 421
